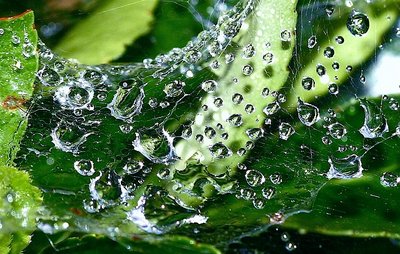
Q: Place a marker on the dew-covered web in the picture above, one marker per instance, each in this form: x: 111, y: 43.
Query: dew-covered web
x: 227, y: 130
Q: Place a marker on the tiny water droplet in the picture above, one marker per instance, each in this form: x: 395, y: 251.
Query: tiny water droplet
x: 247, y: 70
x: 268, y: 192
x: 312, y: 41
x: 286, y: 35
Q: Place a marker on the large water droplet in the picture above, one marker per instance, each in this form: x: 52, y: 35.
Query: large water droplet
x: 337, y: 130
x: 389, y: 179
x: 345, y: 168
x: 155, y: 146
x: 308, y: 114
x: 375, y: 123
x: 209, y: 86
x: 128, y: 100
x: 358, y: 23
x: 285, y: 131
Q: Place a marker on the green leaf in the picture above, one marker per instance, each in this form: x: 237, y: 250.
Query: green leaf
x: 103, y: 35
x: 381, y: 20
x: 18, y: 65
x: 87, y: 244
x: 360, y: 207
x: 18, y: 209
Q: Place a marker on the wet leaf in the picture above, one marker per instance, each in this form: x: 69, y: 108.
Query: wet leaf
x: 104, y: 35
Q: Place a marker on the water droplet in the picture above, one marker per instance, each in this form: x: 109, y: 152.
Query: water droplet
x: 235, y: 120
x: 209, y: 132
x: 265, y: 92
x: 249, y: 108
x: 209, y: 86
x: 268, y: 58
x: 164, y: 174
x: 249, y: 51
x: 237, y: 98
x: 339, y: 39
x: 79, y: 96
x: 329, y: 9
x: 220, y: 151
x: 312, y: 41
x: 308, y: 83
x: 84, y: 167
x: 155, y: 146
x: 275, y: 178
x: 268, y: 192
x: 337, y: 130
x: 218, y: 102
x: 271, y: 108
x: 1, y: 31
x: 125, y: 128
x: 286, y: 35
x: 258, y: 203
x: 375, y: 123
x: 174, y: 89
x: 49, y: 77
x: 389, y: 179
x: 15, y: 39
x: 329, y: 52
x: 247, y: 70
x: 229, y: 58
x: 127, y: 101
x: 307, y: 113
x: 67, y: 137
x: 320, y: 69
x: 335, y: 66
x: 285, y: 131
x: 357, y: 23
x: 132, y: 167
x: 285, y: 237
x: 394, y: 104
x: 193, y: 56
x: 254, y: 133
x: 254, y: 178
x: 345, y: 168
x: 290, y: 246
x: 333, y: 88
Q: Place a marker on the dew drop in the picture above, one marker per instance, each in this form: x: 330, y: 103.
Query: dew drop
x: 375, y: 123
x: 209, y: 132
x: 268, y: 58
x: 286, y: 35
x: 209, y: 86
x: 247, y: 70
x: 307, y: 113
x: 254, y: 178
x: 235, y: 120
x: 345, y: 168
x: 329, y: 52
x: 174, y: 89
x: 337, y: 130
x: 249, y: 51
x: 275, y: 178
x: 357, y: 23
x: 339, y: 39
x: 268, y: 192
x: 320, y: 69
x: 312, y: 41
x: 389, y: 179
x: 84, y: 167
x: 308, y: 83
x: 271, y: 108
x: 285, y: 131
x: 220, y: 151
x: 237, y: 98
